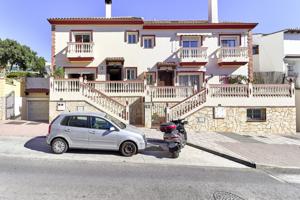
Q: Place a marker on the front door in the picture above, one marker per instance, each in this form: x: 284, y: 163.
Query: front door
x: 114, y: 73
x: 165, y: 78
x: 100, y: 136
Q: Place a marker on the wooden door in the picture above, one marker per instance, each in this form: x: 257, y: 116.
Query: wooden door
x: 165, y: 78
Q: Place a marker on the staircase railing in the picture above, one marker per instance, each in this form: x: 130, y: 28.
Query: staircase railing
x: 183, y: 108
x: 110, y: 105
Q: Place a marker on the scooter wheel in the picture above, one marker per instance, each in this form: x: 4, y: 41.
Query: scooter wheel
x: 175, y: 154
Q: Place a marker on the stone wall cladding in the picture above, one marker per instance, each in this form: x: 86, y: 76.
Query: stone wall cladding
x: 70, y: 106
x: 136, y: 108
x: 280, y: 120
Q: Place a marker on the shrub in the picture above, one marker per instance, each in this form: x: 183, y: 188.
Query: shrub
x: 21, y: 74
x: 58, y: 73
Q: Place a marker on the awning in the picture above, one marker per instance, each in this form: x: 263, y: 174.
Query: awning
x: 166, y: 64
x: 114, y: 60
x: 292, y: 56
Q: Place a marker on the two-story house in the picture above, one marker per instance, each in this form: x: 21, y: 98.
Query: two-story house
x: 278, y: 52
x: 140, y: 70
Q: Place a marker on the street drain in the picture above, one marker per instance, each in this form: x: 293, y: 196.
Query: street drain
x: 226, y: 196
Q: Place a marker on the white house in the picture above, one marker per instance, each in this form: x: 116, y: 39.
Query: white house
x: 278, y: 52
x: 144, y: 72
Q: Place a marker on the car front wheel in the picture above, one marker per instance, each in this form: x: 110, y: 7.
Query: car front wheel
x: 59, y: 146
x: 128, y: 149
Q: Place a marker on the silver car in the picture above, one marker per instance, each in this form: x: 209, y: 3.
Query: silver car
x: 94, y: 131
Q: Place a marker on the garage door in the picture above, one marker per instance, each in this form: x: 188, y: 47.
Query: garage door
x: 38, y: 110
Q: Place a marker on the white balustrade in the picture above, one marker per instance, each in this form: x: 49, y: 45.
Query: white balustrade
x: 193, y: 52
x: 65, y: 85
x: 119, y: 87
x: 233, y: 54
x: 80, y: 49
x: 228, y: 90
x: 186, y: 106
x: 172, y: 93
x: 276, y: 90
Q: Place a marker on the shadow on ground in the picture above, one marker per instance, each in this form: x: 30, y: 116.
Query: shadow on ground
x: 156, y: 148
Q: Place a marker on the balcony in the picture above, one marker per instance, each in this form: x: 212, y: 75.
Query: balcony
x: 233, y: 56
x: 81, y: 52
x: 193, y: 56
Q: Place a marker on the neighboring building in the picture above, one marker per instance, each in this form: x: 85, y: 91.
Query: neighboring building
x: 25, y: 99
x: 143, y: 72
x: 278, y: 52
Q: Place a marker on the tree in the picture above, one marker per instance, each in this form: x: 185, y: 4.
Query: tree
x: 12, y: 53
x: 59, y: 72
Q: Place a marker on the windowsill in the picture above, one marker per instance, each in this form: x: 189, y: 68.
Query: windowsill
x: 256, y: 120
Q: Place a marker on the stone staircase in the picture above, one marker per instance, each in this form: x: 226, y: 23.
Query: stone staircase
x: 187, y: 106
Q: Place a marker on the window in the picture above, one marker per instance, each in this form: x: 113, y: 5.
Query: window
x: 254, y: 115
x: 82, y: 37
x: 78, y: 121
x: 291, y: 70
x: 229, y: 41
x: 120, y: 124
x: 148, y: 42
x: 189, y: 80
x: 131, y: 73
x: 255, y: 50
x: 190, y: 44
x: 150, y: 77
x: 99, y: 123
x: 131, y: 37
x: 65, y: 121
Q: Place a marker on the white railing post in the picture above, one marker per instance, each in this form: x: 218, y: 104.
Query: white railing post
x: 80, y: 84
x: 168, y: 113
x: 127, y: 117
x: 51, y: 83
x: 250, y: 90
x: 292, y: 89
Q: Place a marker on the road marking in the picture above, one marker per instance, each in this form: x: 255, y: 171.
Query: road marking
x: 277, y: 178
x: 290, y: 178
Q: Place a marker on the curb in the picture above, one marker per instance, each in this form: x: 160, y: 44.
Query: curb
x: 228, y: 157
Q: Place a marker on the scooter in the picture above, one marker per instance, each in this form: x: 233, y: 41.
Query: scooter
x: 175, y: 136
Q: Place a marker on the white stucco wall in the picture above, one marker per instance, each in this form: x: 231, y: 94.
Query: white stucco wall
x: 109, y: 42
x: 271, y: 53
x: 291, y: 43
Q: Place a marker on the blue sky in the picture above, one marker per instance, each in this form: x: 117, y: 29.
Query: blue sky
x: 25, y: 20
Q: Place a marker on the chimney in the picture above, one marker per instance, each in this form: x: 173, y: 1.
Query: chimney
x: 213, y: 15
x: 108, y: 8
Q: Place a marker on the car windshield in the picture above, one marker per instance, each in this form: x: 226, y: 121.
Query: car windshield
x: 120, y: 124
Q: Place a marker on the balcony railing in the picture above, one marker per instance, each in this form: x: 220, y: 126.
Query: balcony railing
x: 233, y: 54
x: 119, y: 88
x: 172, y: 94
x: 193, y: 54
x: 80, y: 49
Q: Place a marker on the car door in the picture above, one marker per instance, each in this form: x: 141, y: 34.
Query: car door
x: 100, y: 136
x: 76, y: 127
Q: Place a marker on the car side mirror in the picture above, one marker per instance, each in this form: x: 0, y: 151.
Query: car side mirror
x: 112, y: 129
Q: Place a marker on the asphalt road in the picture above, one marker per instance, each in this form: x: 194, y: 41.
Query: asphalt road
x: 70, y: 180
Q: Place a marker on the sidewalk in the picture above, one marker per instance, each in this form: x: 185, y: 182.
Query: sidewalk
x: 271, y: 151
x: 23, y: 128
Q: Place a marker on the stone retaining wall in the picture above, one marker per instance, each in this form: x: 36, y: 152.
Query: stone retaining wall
x: 279, y: 120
